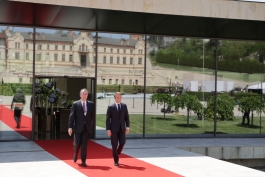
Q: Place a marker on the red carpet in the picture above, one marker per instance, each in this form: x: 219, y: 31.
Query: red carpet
x: 100, y: 161
x: 7, y: 116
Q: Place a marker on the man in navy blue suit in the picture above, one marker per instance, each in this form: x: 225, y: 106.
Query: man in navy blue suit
x: 117, y: 125
x: 81, y: 116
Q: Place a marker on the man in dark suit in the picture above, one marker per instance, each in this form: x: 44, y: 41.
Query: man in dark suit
x: 116, y: 119
x: 81, y: 116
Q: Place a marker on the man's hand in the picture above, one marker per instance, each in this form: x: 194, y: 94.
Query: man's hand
x: 127, y: 130
x: 109, y: 132
x: 70, y: 131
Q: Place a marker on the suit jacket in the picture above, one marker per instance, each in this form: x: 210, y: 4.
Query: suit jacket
x: 77, y: 117
x: 114, y: 119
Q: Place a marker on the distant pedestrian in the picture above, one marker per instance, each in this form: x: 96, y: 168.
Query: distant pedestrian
x: 17, y: 104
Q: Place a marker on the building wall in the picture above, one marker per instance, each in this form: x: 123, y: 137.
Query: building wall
x: 202, y: 8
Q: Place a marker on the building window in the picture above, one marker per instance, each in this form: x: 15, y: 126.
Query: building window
x: 118, y: 60
x: 136, y: 82
x: 70, y: 57
x: 39, y: 47
x: 131, y: 52
x: 71, y: 47
x: 48, y: 47
x: 63, y: 57
x: 139, y: 61
x: 17, y: 45
x: 104, y: 59
x: 104, y: 49
x: 110, y: 81
x: 103, y: 81
x: 131, y: 61
x: 124, y: 50
x: 56, y: 47
x: 86, y: 49
x: 83, y: 47
x: 27, y: 46
x: 30, y: 80
x: 17, y: 56
x: 63, y: 47
x: 117, y: 81
x: 130, y: 82
x: 95, y: 50
x: 124, y: 60
x: 20, y: 80
x: 80, y: 48
x: 94, y: 61
x: 111, y: 60
x: 47, y: 57
x: 55, y: 57
x: 38, y: 57
x: 118, y: 50
x: 122, y: 81
x: 111, y: 50
x: 27, y: 56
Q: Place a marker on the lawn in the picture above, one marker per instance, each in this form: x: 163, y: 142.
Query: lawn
x: 176, y: 124
x: 224, y: 74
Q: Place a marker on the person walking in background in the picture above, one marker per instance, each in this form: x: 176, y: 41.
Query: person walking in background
x: 246, y: 116
x: 116, y: 119
x: 81, y: 115
x: 17, y: 104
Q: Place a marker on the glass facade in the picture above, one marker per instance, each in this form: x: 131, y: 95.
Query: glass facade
x: 173, y: 86
x: 16, y: 68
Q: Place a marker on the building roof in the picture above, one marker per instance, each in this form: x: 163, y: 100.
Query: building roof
x: 2, y: 36
x: 47, y: 37
x: 114, y: 41
x: 68, y: 38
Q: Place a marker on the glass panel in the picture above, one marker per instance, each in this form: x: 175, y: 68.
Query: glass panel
x: 16, y: 74
x: 240, y: 64
x: 177, y: 72
x: 63, y: 52
x: 116, y: 72
x: 54, y: 98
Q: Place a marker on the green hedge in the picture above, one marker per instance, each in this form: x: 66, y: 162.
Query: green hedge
x: 200, y: 95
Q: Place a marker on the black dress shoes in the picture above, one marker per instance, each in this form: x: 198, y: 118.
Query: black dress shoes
x: 84, y: 164
x: 116, y: 164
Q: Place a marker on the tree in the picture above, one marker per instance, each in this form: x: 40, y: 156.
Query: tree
x: 252, y: 103
x: 191, y: 102
x: 161, y: 98
x: 225, y: 107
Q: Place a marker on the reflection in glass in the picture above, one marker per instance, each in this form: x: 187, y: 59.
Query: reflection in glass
x: 119, y: 71
x: 177, y: 71
x: 16, y: 72
x: 62, y: 52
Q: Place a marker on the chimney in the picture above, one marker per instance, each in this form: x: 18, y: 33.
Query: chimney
x: 7, y: 31
x: 43, y: 36
x: 30, y: 35
x: 36, y: 35
x: 121, y: 41
x: 128, y: 42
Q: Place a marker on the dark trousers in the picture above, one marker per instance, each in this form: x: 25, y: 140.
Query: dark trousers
x: 245, y: 116
x: 80, y: 139
x: 117, y: 138
x: 17, y: 116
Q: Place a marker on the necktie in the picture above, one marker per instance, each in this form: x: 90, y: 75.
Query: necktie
x: 84, y: 107
x: 119, y: 107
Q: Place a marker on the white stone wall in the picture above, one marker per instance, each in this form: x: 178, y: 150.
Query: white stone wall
x: 203, y: 8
